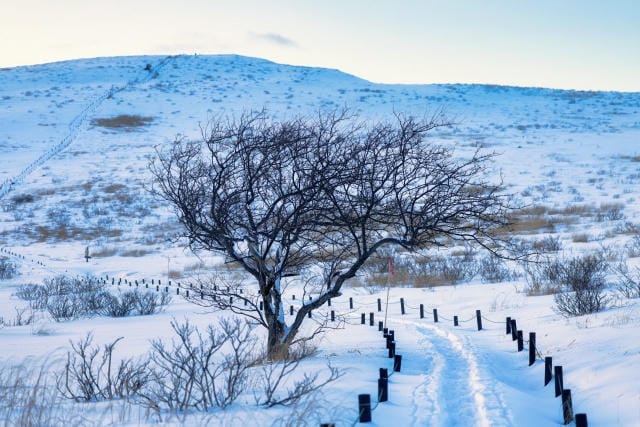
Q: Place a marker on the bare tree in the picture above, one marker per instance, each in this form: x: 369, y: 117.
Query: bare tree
x: 282, y: 198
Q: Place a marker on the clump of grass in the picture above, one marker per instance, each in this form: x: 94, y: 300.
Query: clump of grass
x: 125, y: 122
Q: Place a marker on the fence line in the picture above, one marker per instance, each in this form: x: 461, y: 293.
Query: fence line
x: 76, y: 126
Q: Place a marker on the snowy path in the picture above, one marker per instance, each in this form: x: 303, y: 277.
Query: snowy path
x: 76, y: 126
x: 444, y: 382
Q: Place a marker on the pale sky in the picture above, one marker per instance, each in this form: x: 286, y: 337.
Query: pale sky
x: 572, y: 44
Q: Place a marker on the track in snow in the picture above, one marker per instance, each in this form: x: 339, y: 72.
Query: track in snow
x: 447, y: 383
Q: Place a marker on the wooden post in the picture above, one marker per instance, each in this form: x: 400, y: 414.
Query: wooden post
x: 350, y: 303
x: 383, y: 389
x: 508, y: 325
x: 435, y: 315
x: 581, y: 420
x: 567, y: 406
x: 261, y: 305
x: 422, y: 311
x: 363, y: 318
x: 329, y: 302
x: 333, y: 316
x: 309, y: 314
x: 401, y: 305
x: 397, y: 362
x: 514, y: 330
x: 455, y: 320
x: 384, y: 373
x: 379, y: 305
x: 532, y: 348
x: 392, y: 349
x: 291, y: 310
x: 371, y: 319
x: 520, y: 341
x: 548, y: 369
x: 380, y: 325
x: 479, y: 319
x: 364, y: 408
x: 557, y: 375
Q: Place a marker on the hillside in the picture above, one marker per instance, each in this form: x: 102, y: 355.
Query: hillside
x: 76, y: 138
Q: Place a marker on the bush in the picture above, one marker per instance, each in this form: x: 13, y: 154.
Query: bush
x: 583, y: 281
x: 90, y: 375
x: 628, y: 283
x: 8, y: 268
x: 192, y: 373
x: 65, y: 298
x: 493, y: 269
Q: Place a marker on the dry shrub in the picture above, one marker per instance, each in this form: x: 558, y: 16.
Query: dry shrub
x: 582, y: 210
x: 104, y: 252
x: 113, y: 188
x: 123, y: 122
x: 580, y: 238
x: 583, y: 281
x: 135, y: 253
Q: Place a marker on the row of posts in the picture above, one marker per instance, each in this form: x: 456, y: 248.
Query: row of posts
x: 550, y: 372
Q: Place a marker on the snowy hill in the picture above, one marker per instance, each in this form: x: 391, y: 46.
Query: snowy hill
x: 76, y: 138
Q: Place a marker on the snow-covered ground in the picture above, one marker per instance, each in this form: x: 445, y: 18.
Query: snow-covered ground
x: 69, y: 183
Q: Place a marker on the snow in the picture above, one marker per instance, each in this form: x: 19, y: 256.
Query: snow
x: 554, y: 148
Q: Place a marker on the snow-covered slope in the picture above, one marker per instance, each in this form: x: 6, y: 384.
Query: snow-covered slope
x: 69, y: 182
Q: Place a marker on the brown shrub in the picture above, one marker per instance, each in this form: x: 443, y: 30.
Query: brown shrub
x: 124, y: 122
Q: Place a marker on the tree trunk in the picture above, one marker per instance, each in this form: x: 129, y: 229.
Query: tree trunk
x: 276, y: 348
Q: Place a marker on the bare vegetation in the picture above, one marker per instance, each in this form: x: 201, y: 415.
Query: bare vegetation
x: 8, y: 268
x: 583, y: 281
x: 68, y: 298
x: 124, y: 122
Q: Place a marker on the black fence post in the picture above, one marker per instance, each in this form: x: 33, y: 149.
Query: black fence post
x: 514, y: 330
x: 532, y: 348
x: 435, y: 315
x: 397, y: 362
x: 350, y: 303
x: 364, y: 408
x: 581, y: 420
x: 548, y: 369
x: 261, y: 305
x: 380, y: 325
x: 371, y: 322
x: 329, y: 302
x: 455, y: 320
x: 508, y: 325
x: 392, y: 349
x: 379, y: 305
x: 309, y: 314
x: 383, y: 389
x: 333, y: 316
x: 520, y: 341
x: 479, y: 319
x: 422, y: 311
x: 557, y: 374
x: 402, y: 305
x: 291, y: 310
x: 384, y: 373
x: 363, y: 318
x: 567, y: 406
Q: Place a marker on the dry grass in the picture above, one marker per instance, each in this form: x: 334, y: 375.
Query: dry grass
x: 582, y: 210
x: 124, y: 122
x: 104, y: 252
x: 113, y: 188
x: 135, y: 253
x: 42, y: 234
x: 580, y: 238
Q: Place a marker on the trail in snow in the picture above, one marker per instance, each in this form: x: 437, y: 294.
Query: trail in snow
x: 449, y: 388
x: 77, y: 124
